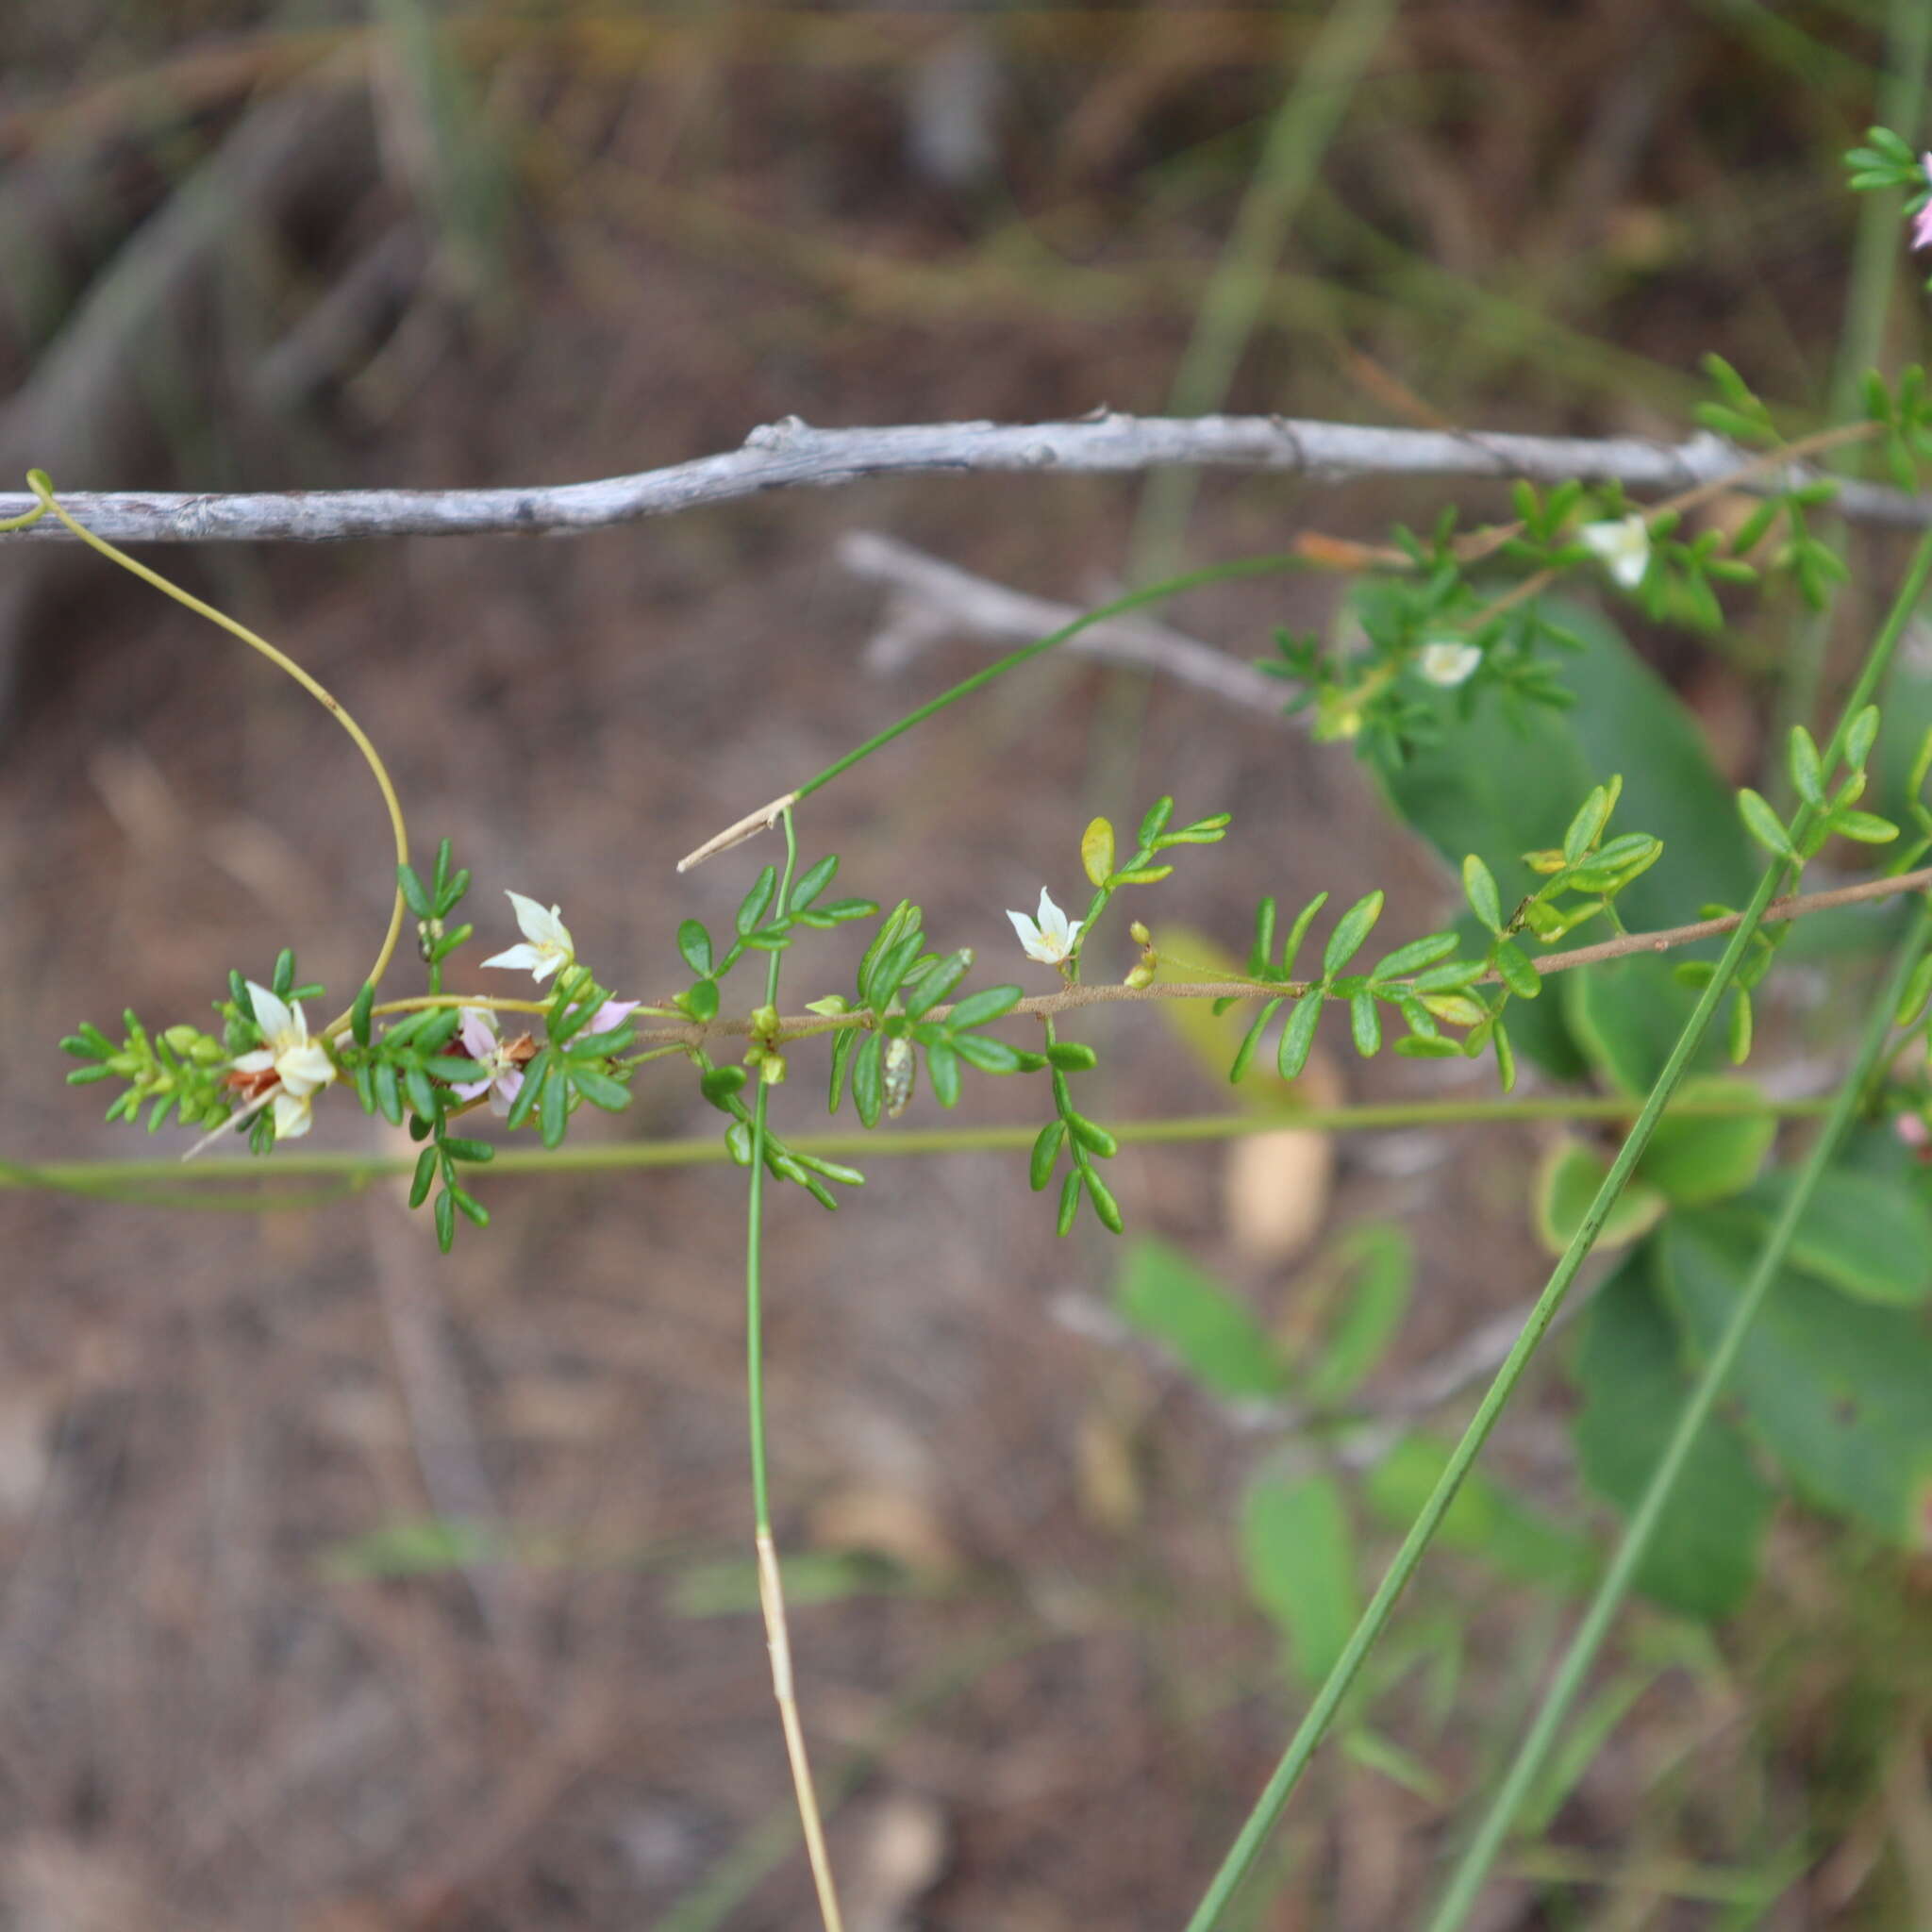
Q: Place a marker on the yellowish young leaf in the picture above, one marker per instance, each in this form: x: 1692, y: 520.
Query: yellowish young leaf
x: 1096, y: 851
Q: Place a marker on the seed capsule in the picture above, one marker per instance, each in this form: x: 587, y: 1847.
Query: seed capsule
x: 896, y: 1078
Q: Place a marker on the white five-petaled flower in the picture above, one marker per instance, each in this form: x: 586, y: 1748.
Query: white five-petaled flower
x: 1622, y: 546
x: 547, y: 943
x: 1049, y: 938
x: 301, y: 1064
x: 1447, y: 661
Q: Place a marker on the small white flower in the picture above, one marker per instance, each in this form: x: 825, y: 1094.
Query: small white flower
x: 1622, y: 546
x: 1050, y: 939
x: 301, y: 1064
x: 548, y: 943
x: 1447, y: 661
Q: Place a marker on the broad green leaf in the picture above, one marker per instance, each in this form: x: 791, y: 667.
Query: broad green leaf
x: 1625, y: 1016
x: 1868, y: 1237
x: 1835, y: 1387
x: 1705, y: 1555
x: 1217, y: 1338
x: 1566, y: 1184
x: 1485, y: 1520
x: 1299, y: 1557
x: 1381, y: 1265
x: 1693, y: 1160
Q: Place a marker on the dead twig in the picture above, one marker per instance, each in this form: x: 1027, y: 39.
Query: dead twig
x: 791, y: 455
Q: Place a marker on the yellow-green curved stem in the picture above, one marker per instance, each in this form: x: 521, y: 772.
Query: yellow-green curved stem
x: 39, y: 484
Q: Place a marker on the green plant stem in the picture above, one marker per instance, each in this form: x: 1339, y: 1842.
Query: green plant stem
x: 1134, y: 600
x: 41, y: 488
x: 1473, y: 1867
x: 770, y: 1584
x: 754, y: 1281
x: 158, y: 1180
x: 1321, y: 1712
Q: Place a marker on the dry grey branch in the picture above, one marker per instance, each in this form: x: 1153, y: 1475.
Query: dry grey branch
x: 790, y: 453
x: 932, y: 599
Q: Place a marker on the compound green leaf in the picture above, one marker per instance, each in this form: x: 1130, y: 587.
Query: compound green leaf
x: 1215, y: 1336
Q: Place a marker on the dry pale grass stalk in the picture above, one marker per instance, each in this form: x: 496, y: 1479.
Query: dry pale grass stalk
x: 778, y: 1638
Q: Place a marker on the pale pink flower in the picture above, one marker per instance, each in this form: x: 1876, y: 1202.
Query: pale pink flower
x: 611, y: 1015
x: 1922, y: 222
x: 503, y: 1079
